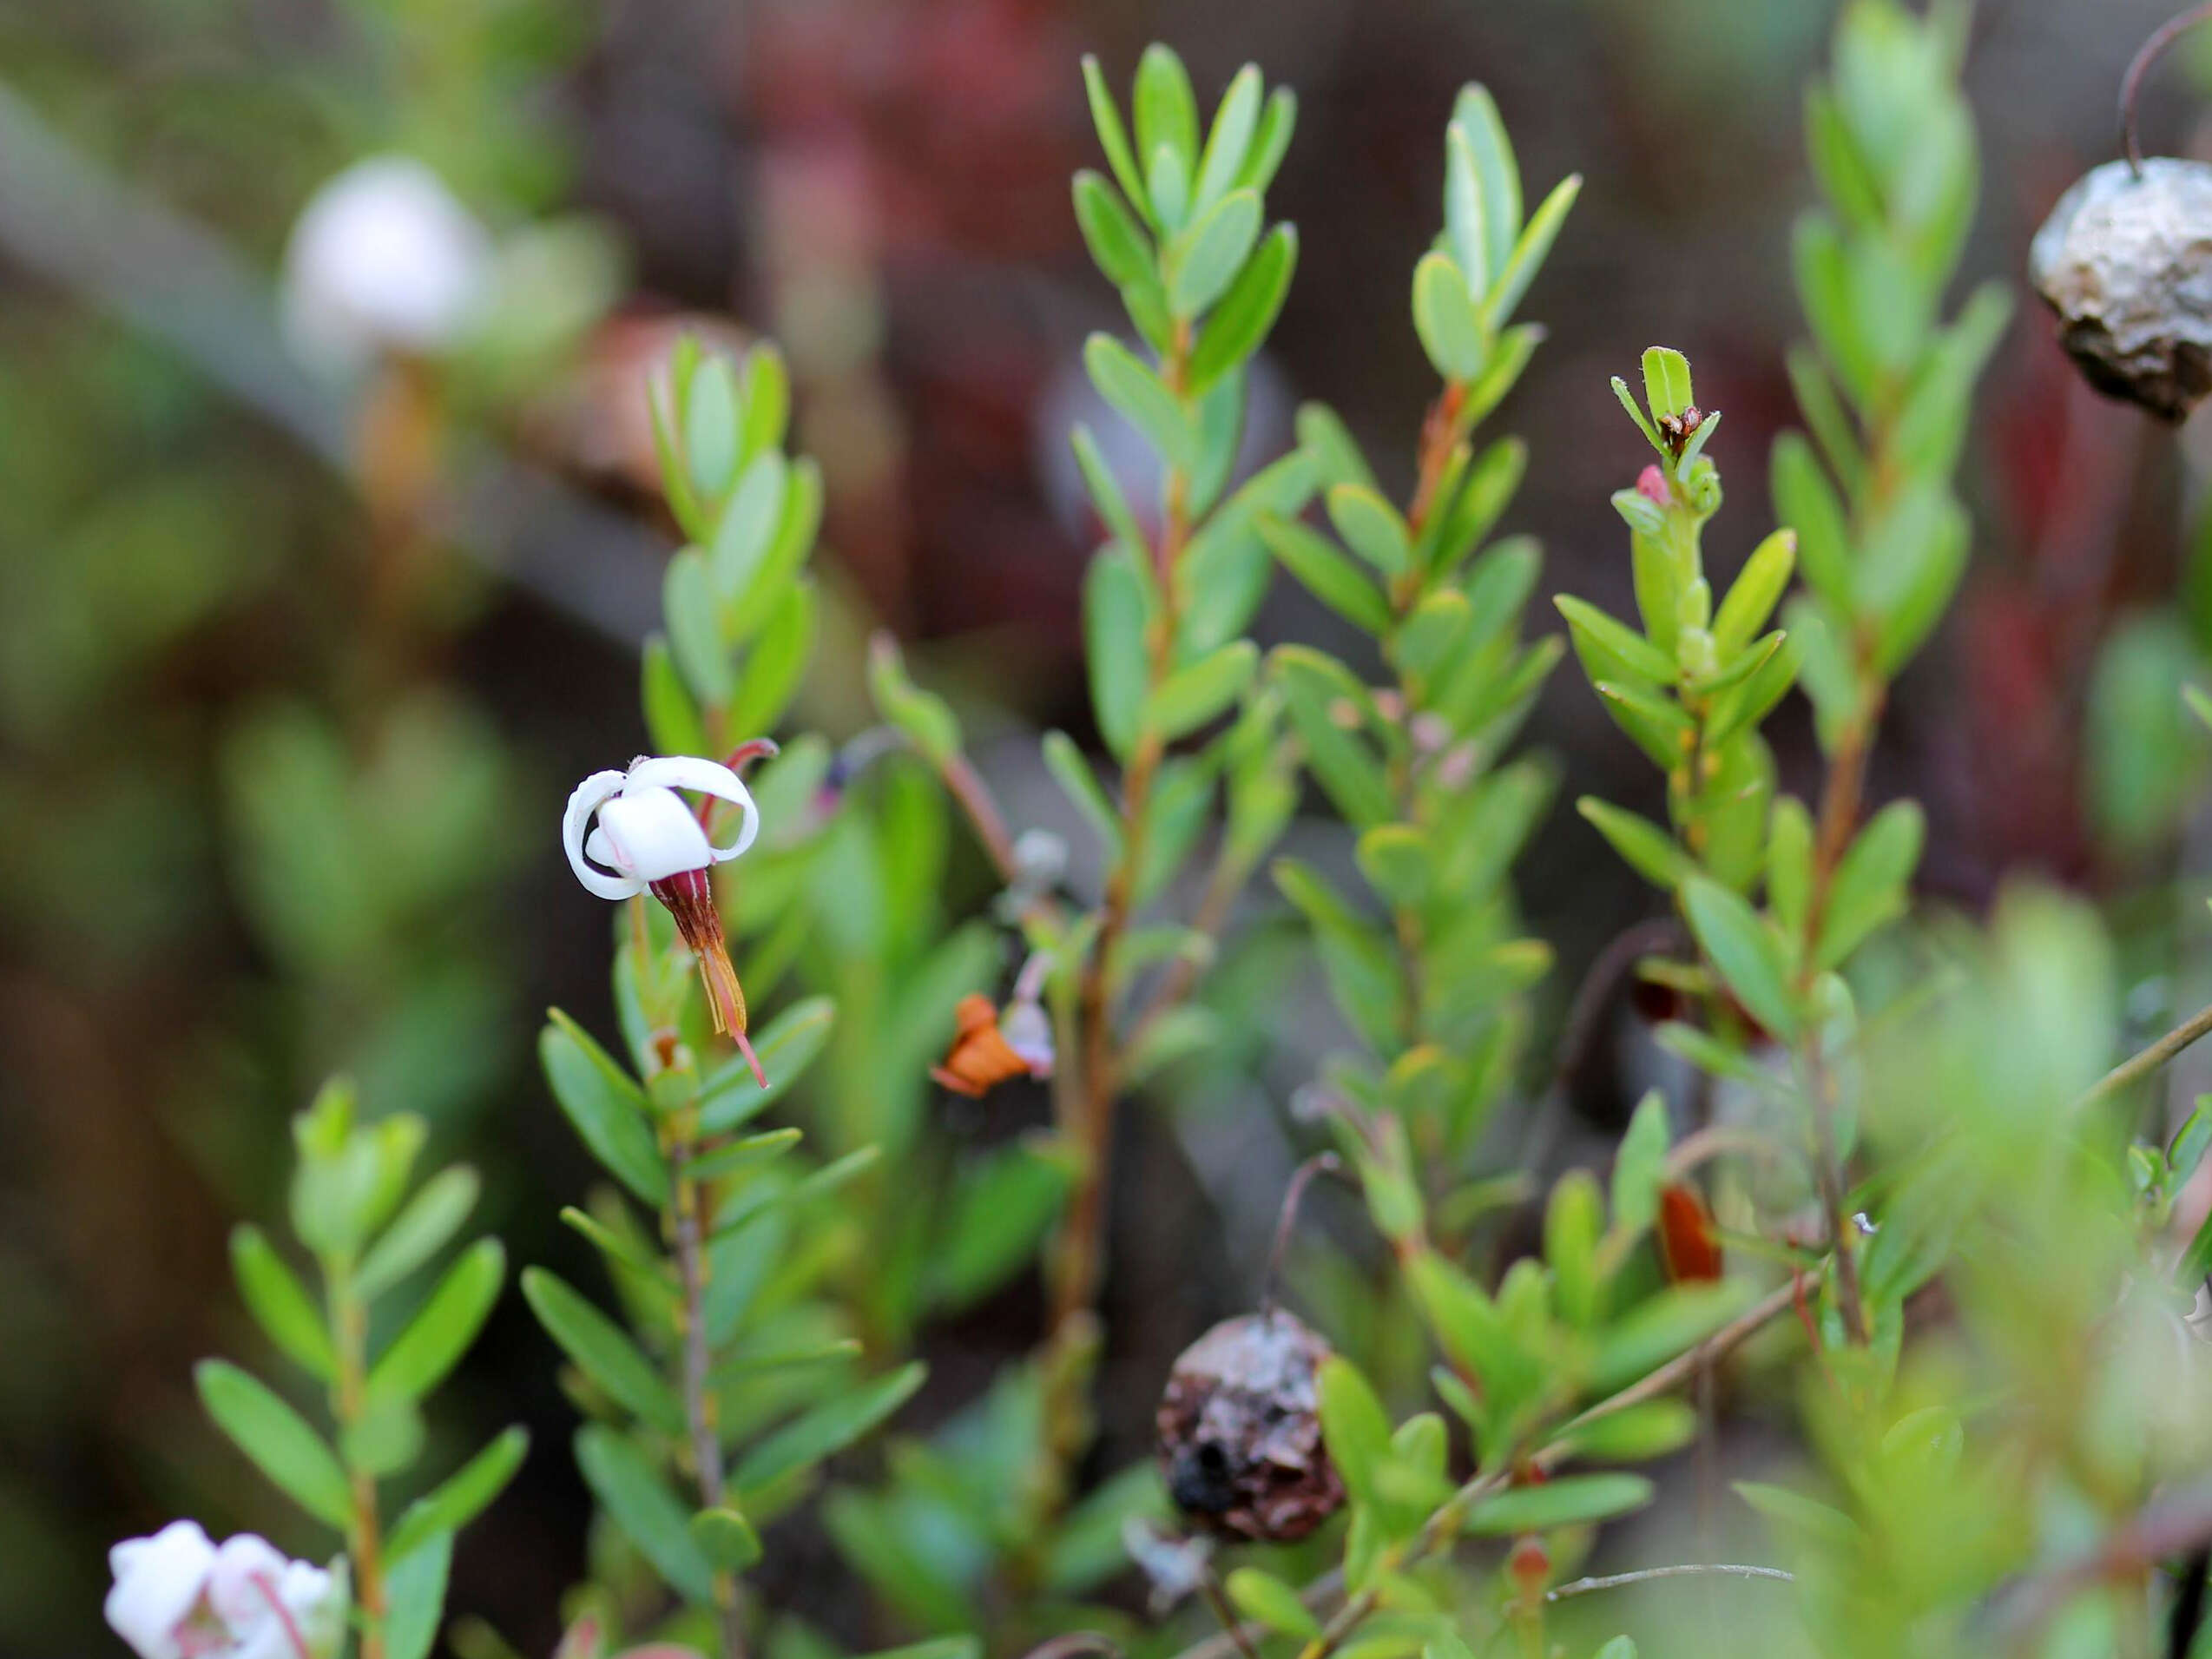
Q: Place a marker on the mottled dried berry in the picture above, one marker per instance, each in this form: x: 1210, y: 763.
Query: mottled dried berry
x: 2126, y: 262
x: 1241, y: 1431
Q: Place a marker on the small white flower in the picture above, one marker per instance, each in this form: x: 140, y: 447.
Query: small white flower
x: 645, y: 833
x: 178, y: 1596
x: 1028, y: 1032
x: 382, y: 259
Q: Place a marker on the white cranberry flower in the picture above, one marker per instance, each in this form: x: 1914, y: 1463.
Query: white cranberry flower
x: 646, y: 832
x: 177, y: 1596
x: 383, y: 259
x: 647, y: 839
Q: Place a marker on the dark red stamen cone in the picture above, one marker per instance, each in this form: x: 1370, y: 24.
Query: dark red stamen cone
x: 689, y: 896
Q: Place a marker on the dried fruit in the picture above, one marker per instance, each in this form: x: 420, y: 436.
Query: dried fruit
x: 2126, y: 262
x: 1241, y: 1431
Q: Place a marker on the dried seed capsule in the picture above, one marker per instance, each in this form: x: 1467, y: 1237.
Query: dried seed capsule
x: 2126, y: 262
x: 1241, y: 1431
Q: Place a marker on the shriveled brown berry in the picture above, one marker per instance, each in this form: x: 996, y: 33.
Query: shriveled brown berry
x: 1241, y: 1430
x: 2126, y: 262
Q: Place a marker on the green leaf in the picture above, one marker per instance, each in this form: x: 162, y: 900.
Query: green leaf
x: 1429, y: 642
x: 1572, y: 1221
x: 608, y: 1110
x: 601, y: 1350
x: 1113, y: 137
x: 710, y: 433
x: 1475, y: 113
x: 1241, y: 320
x: 786, y: 1045
x: 1118, y: 245
x: 434, y: 1341
x: 1789, y: 864
x: 1362, y: 971
x: 924, y: 719
x: 726, y: 1538
x: 745, y: 532
x: 764, y: 390
x: 1263, y: 1596
x: 419, y: 1231
x: 828, y: 1428
x: 1610, y: 649
x: 1166, y: 113
x: 694, y: 636
x: 638, y: 1502
x: 1371, y: 528
x: 1750, y: 700
x: 1194, y: 695
x: 1001, y: 1207
x: 461, y: 1497
x: 1666, y: 382
x: 1445, y: 318
x: 414, y: 1594
x: 1659, y: 1328
x: 1640, y: 1166
x: 1869, y: 887
x: 1327, y: 574
x: 1805, y: 501
x: 775, y: 663
x: 1277, y: 122
x: 1754, y: 595
x: 1167, y: 181
x: 1646, y: 848
x: 1203, y: 260
x: 276, y: 1440
x: 280, y: 1303
x: 1105, y: 493
x: 1115, y: 614
x: 1065, y: 761
x: 1745, y: 951
x: 1396, y: 862
x: 1569, y: 1500
x: 1230, y: 140
x: 1652, y: 1428
x: 1141, y: 398
x: 671, y: 717
x: 1530, y: 253
x: 1354, y: 1426
x: 1327, y: 706
x: 1466, y: 217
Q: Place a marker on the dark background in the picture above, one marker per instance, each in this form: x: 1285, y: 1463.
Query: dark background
x: 211, y: 658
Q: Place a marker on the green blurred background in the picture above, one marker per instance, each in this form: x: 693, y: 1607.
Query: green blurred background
x: 293, y: 677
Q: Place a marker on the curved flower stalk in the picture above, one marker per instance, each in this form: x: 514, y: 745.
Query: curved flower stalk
x: 177, y: 1596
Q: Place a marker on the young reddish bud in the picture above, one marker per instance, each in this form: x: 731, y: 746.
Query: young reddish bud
x: 1651, y: 484
x: 1685, y: 1237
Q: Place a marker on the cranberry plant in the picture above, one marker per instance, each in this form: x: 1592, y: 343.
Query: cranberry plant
x: 1887, y: 1162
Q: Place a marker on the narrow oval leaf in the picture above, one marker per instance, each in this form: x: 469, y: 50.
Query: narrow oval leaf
x: 1444, y: 316
x: 1570, y: 1500
x: 638, y: 1502
x: 1141, y: 398
x: 1371, y: 528
x: 1870, y: 885
x: 434, y: 1341
x: 726, y: 1538
x: 601, y: 1350
x: 1203, y: 260
x: 1745, y: 951
x: 1117, y: 244
x: 1241, y: 320
x: 1646, y: 848
x: 276, y: 1440
x: 421, y: 1231
x: 461, y: 1497
x: 1754, y: 595
x: 414, y: 1595
x: 1201, y: 691
x: 785, y: 1046
x: 828, y: 1428
x: 1327, y: 574
x: 607, y: 1109
x: 280, y: 1303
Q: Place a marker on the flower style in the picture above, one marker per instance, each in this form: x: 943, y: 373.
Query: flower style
x: 646, y: 840
x: 177, y: 1596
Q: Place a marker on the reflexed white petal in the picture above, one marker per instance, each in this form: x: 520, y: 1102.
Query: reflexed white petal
x: 708, y: 777
x: 653, y: 834
x: 1028, y: 1032
x: 158, y: 1581
x: 583, y: 800
x: 263, y: 1598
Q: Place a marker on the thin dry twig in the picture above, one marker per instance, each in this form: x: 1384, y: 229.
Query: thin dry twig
x: 1684, y: 1570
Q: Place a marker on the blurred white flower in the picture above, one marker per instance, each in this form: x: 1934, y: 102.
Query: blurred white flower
x: 177, y: 1596
x: 645, y: 833
x: 1027, y: 1030
x: 383, y: 259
